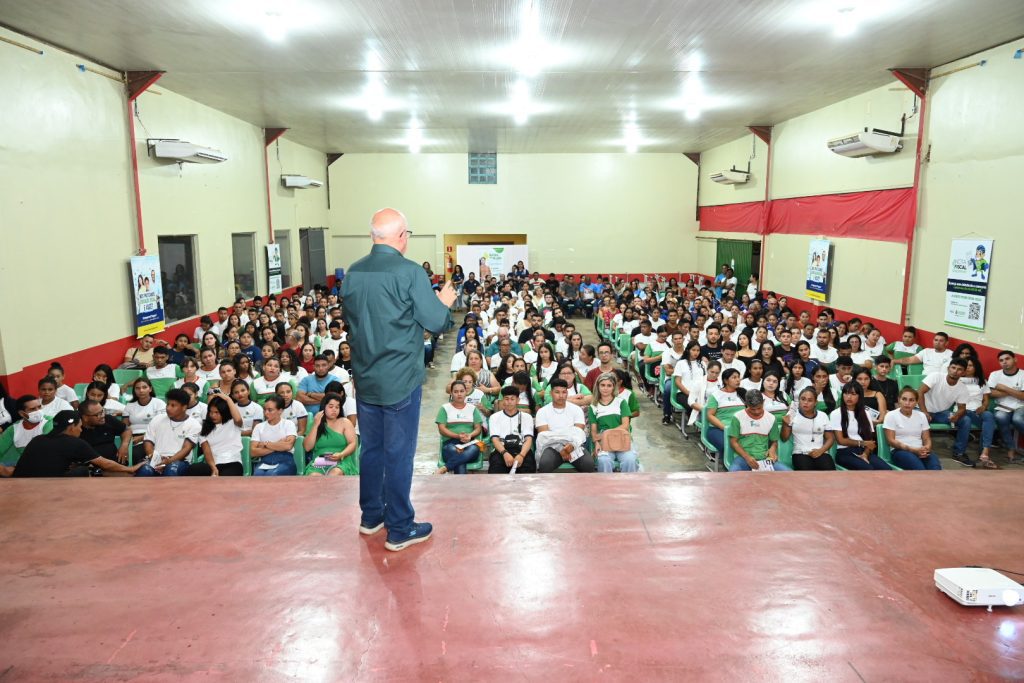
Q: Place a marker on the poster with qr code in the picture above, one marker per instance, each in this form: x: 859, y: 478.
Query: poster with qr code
x: 970, y: 264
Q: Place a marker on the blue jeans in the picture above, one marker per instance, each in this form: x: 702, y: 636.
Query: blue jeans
x: 912, y: 461
x: 1009, y: 422
x: 716, y: 437
x: 456, y: 460
x: 963, y: 429
x: 851, y: 460
x: 174, y: 469
x: 388, y: 436
x: 626, y: 459
x: 283, y: 462
x: 740, y: 465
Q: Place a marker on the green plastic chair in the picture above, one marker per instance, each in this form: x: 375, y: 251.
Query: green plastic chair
x: 122, y: 376
x: 625, y: 345
x: 80, y: 390
x: 785, y: 450
x: 884, y: 451
x: 914, y: 369
x: 914, y: 381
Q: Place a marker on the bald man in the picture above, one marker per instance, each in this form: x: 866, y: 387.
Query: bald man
x: 388, y: 303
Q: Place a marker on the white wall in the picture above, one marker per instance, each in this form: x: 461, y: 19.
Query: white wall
x: 68, y: 211
x: 723, y: 158
x: 802, y: 164
x: 972, y: 188
x: 582, y: 212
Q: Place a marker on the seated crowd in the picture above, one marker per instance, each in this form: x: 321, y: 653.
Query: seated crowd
x: 268, y: 386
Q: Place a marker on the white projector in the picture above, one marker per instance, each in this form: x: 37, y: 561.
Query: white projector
x: 977, y: 587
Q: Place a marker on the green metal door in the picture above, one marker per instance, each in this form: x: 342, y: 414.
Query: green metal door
x: 739, y: 255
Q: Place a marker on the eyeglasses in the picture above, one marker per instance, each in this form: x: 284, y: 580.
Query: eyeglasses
x: 408, y: 232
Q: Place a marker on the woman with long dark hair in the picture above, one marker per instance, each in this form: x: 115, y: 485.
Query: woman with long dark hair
x: 220, y: 440
x: 332, y: 442
x: 810, y: 429
x: 855, y: 433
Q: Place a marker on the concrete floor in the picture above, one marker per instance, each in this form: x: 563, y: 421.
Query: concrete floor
x: 655, y: 577
x: 661, y: 448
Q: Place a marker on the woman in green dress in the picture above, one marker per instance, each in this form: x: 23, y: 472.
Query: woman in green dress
x: 331, y: 443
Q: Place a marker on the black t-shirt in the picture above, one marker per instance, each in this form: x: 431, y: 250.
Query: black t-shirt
x: 470, y: 285
x: 711, y: 352
x: 101, y: 438
x: 53, y: 456
x: 890, y: 389
x: 178, y: 357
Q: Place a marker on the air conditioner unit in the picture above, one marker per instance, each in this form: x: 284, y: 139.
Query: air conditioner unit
x: 867, y: 143
x: 730, y: 177
x: 300, y: 181
x: 183, y: 151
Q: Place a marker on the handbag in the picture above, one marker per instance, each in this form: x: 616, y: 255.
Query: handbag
x: 617, y: 440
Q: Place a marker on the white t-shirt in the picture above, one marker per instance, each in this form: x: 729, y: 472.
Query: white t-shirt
x: 809, y: 433
x: 1015, y: 381
x: 827, y: 355
x: 734, y: 364
x: 644, y: 339
x: 225, y: 442
x: 198, y: 411
x: 941, y: 396
x: 669, y: 358
x: 140, y: 416
x: 332, y: 344
x: 5, y: 416
x: 55, y: 406
x: 67, y: 393
x: 555, y: 418
x: 934, y: 361
x: 112, y: 407
x: 269, y: 433
x: 200, y: 382
x: 836, y: 425
x: 544, y: 374
x: 169, y: 371
x: 582, y: 368
x: 907, y: 430
x: 22, y: 436
x: 266, y: 387
x: 749, y: 384
x: 209, y: 376
x: 250, y: 414
x: 458, y: 361
x: 501, y: 425
x: 861, y: 357
x: 797, y: 387
x: 168, y: 437
x: 976, y: 392
x: 294, y: 412
x: 690, y: 372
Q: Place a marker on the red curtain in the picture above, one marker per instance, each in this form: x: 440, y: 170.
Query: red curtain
x: 745, y: 217
x: 885, y: 215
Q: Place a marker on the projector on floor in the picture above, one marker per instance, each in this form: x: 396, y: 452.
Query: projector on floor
x: 977, y: 587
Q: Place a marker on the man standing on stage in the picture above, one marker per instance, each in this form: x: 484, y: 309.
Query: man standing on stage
x: 388, y: 303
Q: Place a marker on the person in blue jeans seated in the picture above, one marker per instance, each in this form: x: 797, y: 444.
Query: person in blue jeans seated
x: 1007, y: 387
x: 721, y: 405
x: 851, y: 424
x: 944, y: 401
x: 754, y: 436
x: 170, y: 438
x: 273, y: 441
x: 460, y: 424
x: 978, y: 398
x: 909, y: 435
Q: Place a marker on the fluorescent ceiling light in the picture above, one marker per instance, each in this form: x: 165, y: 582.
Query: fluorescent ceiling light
x: 275, y: 19
x: 845, y: 17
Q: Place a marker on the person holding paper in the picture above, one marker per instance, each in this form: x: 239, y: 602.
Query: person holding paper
x: 460, y: 424
x: 331, y: 443
x: 754, y: 437
x: 560, y: 435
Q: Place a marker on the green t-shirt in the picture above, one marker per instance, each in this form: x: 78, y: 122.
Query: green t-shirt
x: 459, y: 420
x: 630, y: 398
x: 754, y: 435
x: 607, y: 416
x: 726, y: 404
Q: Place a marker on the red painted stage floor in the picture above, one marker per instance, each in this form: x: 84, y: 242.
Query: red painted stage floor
x: 785, y: 577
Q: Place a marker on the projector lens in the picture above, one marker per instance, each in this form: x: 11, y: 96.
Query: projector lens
x: 1010, y: 597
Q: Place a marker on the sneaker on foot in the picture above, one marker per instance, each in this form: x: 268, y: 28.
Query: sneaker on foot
x: 369, y: 529
x: 963, y: 459
x: 417, y: 534
x: 666, y: 420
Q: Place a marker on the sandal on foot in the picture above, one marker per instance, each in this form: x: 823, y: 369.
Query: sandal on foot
x: 987, y: 464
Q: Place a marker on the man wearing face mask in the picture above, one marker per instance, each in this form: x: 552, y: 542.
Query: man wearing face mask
x: 14, y: 439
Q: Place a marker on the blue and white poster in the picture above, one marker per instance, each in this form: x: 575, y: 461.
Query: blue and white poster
x: 149, y: 295
x: 970, y: 263
x: 818, y: 264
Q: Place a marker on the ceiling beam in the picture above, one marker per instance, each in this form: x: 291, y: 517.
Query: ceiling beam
x: 763, y: 132
x: 333, y: 156
x: 137, y: 82
x: 270, y: 135
x: 693, y: 156
x: 915, y: 79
